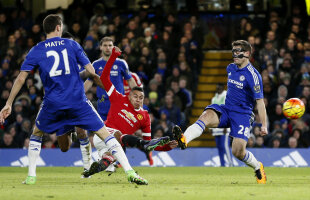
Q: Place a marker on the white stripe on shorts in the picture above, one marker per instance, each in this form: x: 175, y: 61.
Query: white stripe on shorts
x: 92, y: 107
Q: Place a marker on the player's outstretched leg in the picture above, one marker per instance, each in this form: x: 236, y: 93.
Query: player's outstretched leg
x: 133, y: 177
x: 179, y: 137
x: 116, y: 150
x: 99, y: 166
x: 261, y: 175
x: 152, y: 144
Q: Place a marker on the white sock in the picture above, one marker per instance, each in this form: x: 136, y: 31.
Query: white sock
x: 86, y: 151
x: 33, y: 153
x: 251, y: 161
x: 194, y: 131
x: 117, y: 151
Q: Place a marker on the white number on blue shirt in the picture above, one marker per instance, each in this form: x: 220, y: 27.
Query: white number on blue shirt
x: 54, y: 71
x: 246, y: 131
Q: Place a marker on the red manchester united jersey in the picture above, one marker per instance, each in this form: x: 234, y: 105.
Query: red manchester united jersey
x: 124, y: 117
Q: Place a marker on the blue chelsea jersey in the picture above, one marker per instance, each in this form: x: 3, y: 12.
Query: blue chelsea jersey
x: 244, y: 86
x: 119, y: 72
x: 57, y: 60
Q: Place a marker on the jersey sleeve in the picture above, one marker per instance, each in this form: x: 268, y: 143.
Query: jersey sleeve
x: 255, y: 84
x: 81, y: 57
x: 146, y: 128
x: 30, y: 62
x: 106, y: 80
x: 125, y: 70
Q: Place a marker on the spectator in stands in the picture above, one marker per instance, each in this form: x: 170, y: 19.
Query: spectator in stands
x: 292, y: 142
x: 7, y: 141
x: 174, y: 76
x: 173, y: 112
x: 178, y: 92
x: 277, y: 115
x: 268, y: 53
x: 275, y: 142
x: 259, y: 142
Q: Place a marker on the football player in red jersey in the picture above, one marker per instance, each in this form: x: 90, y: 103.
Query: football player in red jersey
x: 125, y: 117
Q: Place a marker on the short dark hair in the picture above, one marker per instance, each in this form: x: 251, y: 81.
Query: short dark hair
x: 137, y: 88
x: 50, y: 22
x: 106, y: 39
x: 244, y: 45
x: 67, y: 34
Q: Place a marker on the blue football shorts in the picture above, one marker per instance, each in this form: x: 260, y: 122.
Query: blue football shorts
x: 239, y: 123
x: 61, y: 121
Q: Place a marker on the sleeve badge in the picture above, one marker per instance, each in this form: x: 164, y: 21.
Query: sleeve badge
x: 257, y: 88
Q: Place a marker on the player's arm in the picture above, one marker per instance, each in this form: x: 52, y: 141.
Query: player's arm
x: 88, y: 84
x: 18, y: 83
x: 262, y: 115
x: 93, y: 76
x: 105, y: 76
x: 131, y: 82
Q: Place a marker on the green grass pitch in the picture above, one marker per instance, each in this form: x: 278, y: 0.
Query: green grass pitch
x: 166, y: 183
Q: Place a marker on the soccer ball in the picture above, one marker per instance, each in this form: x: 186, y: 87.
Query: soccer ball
x: 293, y: 108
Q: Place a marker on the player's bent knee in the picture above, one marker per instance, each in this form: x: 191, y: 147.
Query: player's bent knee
x: 37, y: 131
x: 210, y: 118
x: 81, y: 133
x: 238, y: 153
x: 118, y: 135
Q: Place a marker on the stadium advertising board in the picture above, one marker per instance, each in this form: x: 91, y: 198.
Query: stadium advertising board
x: 176, y: 158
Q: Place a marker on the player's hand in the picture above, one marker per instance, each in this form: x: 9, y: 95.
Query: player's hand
x: 116, y: 51
x: 5, y: 112
x: 263, y: 131
x: 173, y: 144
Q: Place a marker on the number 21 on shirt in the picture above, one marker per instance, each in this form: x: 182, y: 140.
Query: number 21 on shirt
x: 54, y: 71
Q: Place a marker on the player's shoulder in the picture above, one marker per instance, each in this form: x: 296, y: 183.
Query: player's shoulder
x: 98, y: 61
x: 252, y: 74
x: 251, y: 70
x: 70, y: 41
x: 36, y: 50
x: 230, y: 66
x: 144, y: 113
x: 120, y: 61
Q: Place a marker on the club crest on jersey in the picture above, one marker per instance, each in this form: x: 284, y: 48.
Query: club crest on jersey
x: 257, y: 88
x: 102, y: 99
x: 140, y: 117
x: 115, y: 67
x: 129, y: 115
x: 241, y: 78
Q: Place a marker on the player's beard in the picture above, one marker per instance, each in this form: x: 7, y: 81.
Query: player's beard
x: 106, y: 54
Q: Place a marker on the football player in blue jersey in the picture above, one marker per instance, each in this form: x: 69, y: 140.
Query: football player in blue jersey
x: 81, y: 134
x: 65, y: 102
x: 119, y: 72
x: 244, y: 91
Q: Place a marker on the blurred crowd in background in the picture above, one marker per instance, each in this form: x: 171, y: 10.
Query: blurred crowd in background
x: 166, y: 51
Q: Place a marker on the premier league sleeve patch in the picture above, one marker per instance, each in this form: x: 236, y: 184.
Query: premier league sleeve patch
x: 257, y: 88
